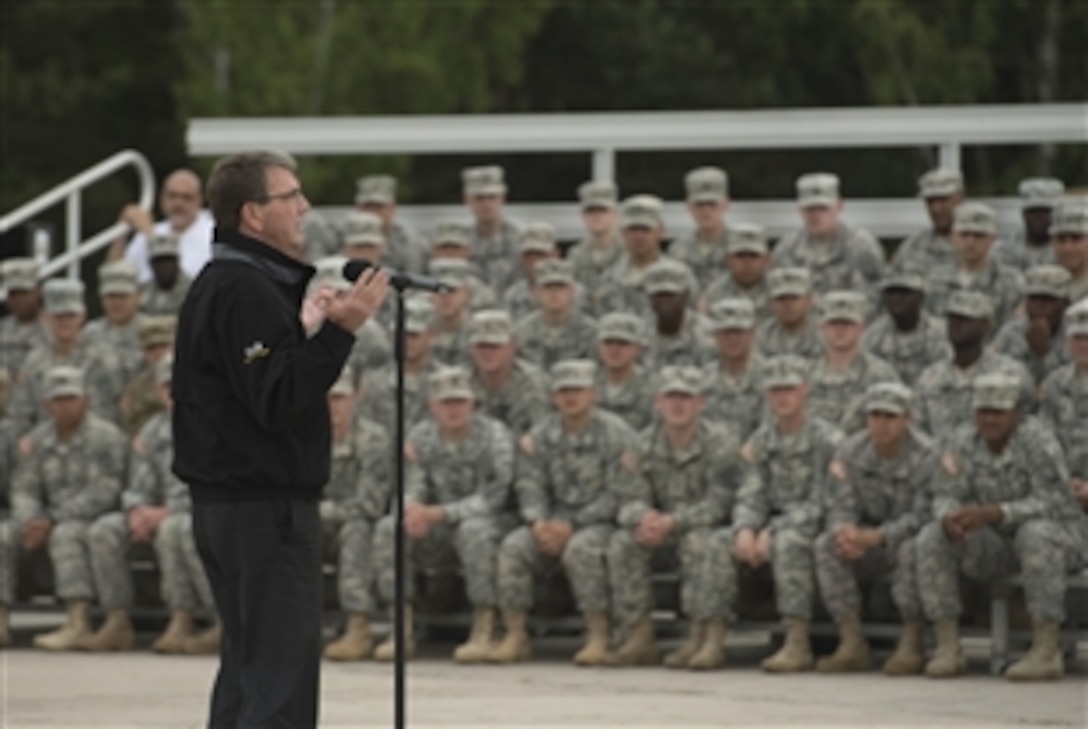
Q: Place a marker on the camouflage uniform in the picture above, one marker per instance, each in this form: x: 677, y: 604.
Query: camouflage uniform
x: 633, y: 398
x: 706, y: 258
x: 17, y: 338
x: 155, y: 301
x: 8, y: 541
x: 543, y: 342
x: 591, y: 262
x: 124, y: 340
x: 140, y: 398
x: 405, y: 251
x: 908, y: 352
x: 928, y: 250
x: 724, y: 287
x: 772, y: 340
x: 735, y: 398
x: 496, y: 257
x: 1049, y: 281
x: 1064, y: 402
x: 1016, y: 252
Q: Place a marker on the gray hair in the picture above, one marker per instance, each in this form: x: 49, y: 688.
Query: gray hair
x: 240, y: 178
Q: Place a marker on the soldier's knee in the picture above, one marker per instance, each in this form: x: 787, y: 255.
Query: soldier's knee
x: 586, y: 546
x: 106, y: 528
x: 621, y: 546
x: 695, y: 541
x: 1035, y: 536
x: 66, y: 532
x: 824, y: 546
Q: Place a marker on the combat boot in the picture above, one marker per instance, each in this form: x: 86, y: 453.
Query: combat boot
x: 795, y: 654
x: 711, y: 653
x: 640, y: 648
x: 479, y: 643
x: 595, y: 651
x: 696, y: 634
x: 355, y: 644
x: 515, y: 646
x: 852, y: 653
x: 908, y: 658
x: 1043, y: 661
x: 5, y: 632
x: 76, y: 628
x: 948, y: 660
x: 206, y: 642
x: 115, y: 634
x: 387, y: 651
x: 177, y: 630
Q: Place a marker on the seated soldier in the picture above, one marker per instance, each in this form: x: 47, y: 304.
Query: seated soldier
x: 140, y: 399
x: 454, y: 242
x: 747, y: 258
x: 904, y: 334
x: 377, y: 194
x: 1030, y: 246
x: 8, y: 542
x: 689, y: 470
x: 931, y: 248
x: 1038, y: 340
x: 793, y: 328
x: 601, y: 247
x: 1003, y: 506
x: 555, y: 330
x: 703, y: 250
x: 733, y: 391
x: 163, y: 294
x: 536, y: 243
x: 624, y: 387
x: 1064, y: 404
x: 357, y: 495
x: 493, y: 235
x: 507, y: 387
x: 879, y: 500
x: 678, y: 334
x: 642, y: 228
x: 460, y: 466
x: 362, y: 238
x: 22, y: 328
x: 70, y: 478
x: 1069, y: 239
x: 119, y: 326
x: 574, y: 462
x: 452, y: 313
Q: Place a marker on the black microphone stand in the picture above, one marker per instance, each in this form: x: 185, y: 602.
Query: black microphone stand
x: 399, y: 285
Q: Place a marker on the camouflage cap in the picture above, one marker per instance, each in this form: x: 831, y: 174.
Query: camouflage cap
x: 747, y: 238
x: 64, y: 296
x: 707, y: 184
x: 164, y: 370
x: 1076, y: 319
x: 995, y: 391
x: 450, y: 383
x: 330, y: 272
x: 490, y: 326
x: 377, y: 189
x: 480, y: 181
x: 667, y: 276
x: 818, y: 190
x: 789, y: 281
x: 120, y: 277
x: 537, y: 237
x: 363, y: 229
x: 1048, y: 280
x: 845, y: 305
x: 621, y: 326
x: 418, y: 314
x: 163, y: 246
x: 941, y: 182
x: 643, y: 211
x: 969, y: 304
x: 451, y: 234
x: 1070, y: 216
x: 733, y: 313
x: 974, y: 217
x: 681, y: 380
x: 903, y: 278
x: 786, y: 370
x: 155, y: 331
x: 1040, y: 192
x: 453, y: 272
x: 595, y: 194
x: 894, y: 398
x: 345, y: 383
x: 555, y: 271
x: 573, y: 374
x: 64, y: 381
x: 19, y: 274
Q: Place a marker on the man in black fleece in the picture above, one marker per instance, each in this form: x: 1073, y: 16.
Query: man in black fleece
x: 253, y: 364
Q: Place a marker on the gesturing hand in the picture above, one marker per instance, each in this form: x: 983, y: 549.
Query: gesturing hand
x: 351, y: 310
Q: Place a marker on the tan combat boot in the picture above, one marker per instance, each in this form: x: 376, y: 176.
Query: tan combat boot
x: 515, y: 646
x: 177, y: 630
x: 795, y: 654
x: 206, y: 642
x: 479, y: 643
x: 948, y: 660
x: 1043, y: 661
x: 909, y: 657
x: 115, y: 634
x: 355, y: 644
x: 595, y: 651
x: 852, y: 653
x: 696, y: 634
x: 711, y: 653
x: 76, y: 628
x: 387, y: 651
x: 640, y: 648
x: 5, y: 632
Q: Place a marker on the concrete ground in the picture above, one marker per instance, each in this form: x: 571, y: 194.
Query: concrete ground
x: 143, y: 690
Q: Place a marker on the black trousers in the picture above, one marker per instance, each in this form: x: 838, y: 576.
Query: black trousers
x: 263, y: 560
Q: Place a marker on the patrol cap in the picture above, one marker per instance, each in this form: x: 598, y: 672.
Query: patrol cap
x: 643, y: 211
x: 345, y: 383
x: 995, y: 391
x: 940, y: 182
x: 19, y: 274
x: 818, y: 190
x: 681, y: 380
x: 571, y: 374
x: 893, y: 398
x: 733, y: 313
x: 453, y: 272
x: 747, y: 238
x: 902, y: 278
x: 594, y: 194
x: 418, y: 314
x: 970, y: 304
x: 1040, y: 192
x: 786, y: 370
x: 64, y: 296
x: 163, y: 246
x: 377, y: 189
x: 330, y: 272
x: 490, y: 326
x: 363, y: 229
x: 154, y: 331
x: 843, y: 305
x: 164, y: 370
x: 1048, y: 280
x: 64, y: 381
x: 621, y: 326
x: 119, y: 277
x: 555, y: 271
x: 537, y: 237
x: 707, y: 184
x: 974, y: 217
x: 667, y: 276
x: 789, y: 281
x: 451, y: 234
x: 481, y: 181
x: 1076, y: 319
x: 450, y: 383
x: 1070, y: 216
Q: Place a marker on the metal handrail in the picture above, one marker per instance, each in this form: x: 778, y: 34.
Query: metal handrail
x: 70, y: 192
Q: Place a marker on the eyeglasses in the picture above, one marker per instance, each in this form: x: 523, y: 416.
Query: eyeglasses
x: 290, y: 195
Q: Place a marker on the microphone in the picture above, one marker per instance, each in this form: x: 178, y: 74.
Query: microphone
x: 354, y: 268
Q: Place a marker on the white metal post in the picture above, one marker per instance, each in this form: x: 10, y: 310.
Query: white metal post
x: 74, y: 226
x: 604, y: 164
x: 950, y: 155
